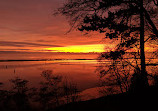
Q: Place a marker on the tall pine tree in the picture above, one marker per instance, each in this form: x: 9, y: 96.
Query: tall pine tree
x: 129, y: 21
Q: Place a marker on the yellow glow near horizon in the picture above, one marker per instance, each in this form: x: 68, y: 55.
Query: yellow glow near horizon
x: 79, y: 48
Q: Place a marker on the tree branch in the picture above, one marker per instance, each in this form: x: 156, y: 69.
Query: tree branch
x: 154, y: 29
x: 155, y: 2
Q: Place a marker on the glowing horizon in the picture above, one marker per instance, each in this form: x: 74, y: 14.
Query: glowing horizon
x: 78, y: 48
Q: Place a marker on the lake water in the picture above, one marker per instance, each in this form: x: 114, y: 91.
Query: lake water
x: 81, y: 72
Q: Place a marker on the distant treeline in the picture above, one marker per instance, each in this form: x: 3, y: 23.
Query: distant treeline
x: 42, y: 60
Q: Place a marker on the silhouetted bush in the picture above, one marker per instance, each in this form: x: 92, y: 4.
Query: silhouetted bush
x: 53, y: 92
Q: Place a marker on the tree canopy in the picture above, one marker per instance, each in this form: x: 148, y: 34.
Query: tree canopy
x: 115, y: 18
x: 132, y: 22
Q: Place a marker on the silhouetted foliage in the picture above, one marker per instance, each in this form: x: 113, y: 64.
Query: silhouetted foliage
x: 116, y: 75
x: 70, y: 92
x: 17, y: 98
x: 52, y: 92
x: 126, y: 21
x: 19, y: 85
x: 50, y: 89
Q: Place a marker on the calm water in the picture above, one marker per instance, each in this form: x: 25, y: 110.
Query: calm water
x: 81, y: 72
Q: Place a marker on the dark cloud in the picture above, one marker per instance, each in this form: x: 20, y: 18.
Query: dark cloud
x: 25, y: 44
x: 10, y: 52
x: 14, y: 49
x: 41, y: 40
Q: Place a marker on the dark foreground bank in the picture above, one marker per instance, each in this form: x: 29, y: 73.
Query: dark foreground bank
x: 144, y: 100
x: 51, y: 93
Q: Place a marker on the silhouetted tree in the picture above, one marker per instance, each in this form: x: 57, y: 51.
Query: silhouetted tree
x: 118, y: 73
x: 3, y: 95
x: 50, y: 90
x: 127, y: 21
x: 19, y: 94
x: 52, y: 93
x: 54, y: 89
x: 70, y: 91
x: 17, y: 98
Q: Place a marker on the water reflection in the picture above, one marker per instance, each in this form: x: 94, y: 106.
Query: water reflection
x: 80, y: 71
x: 53, y: 91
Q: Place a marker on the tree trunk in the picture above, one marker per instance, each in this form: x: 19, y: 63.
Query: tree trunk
x: 144, y: 81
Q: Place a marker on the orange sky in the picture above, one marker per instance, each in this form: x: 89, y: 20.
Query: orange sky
x: 28, y: 25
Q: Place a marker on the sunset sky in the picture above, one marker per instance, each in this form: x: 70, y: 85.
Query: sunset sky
x: 28, y: 25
